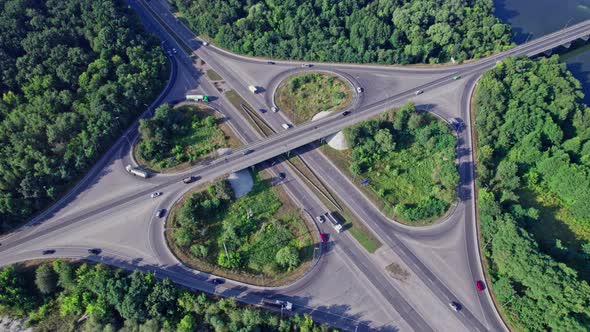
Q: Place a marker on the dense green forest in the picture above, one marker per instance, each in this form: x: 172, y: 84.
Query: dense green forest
x: 409, y: 159
x: 534, y: 192
x: 384, y: 31
x: 53, y: 296
x: 74, y: 74
x: 175, y: 136
x: 261, y: 235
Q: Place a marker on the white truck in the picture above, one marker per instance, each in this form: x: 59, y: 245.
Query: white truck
x: 198, y: 98
x: 253, y: 89
x: 283, y: 305
x: 336, y: 222
x: 136, y: 171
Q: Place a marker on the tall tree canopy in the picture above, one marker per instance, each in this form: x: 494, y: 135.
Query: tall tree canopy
x: 384, y: 31
x: 534, y: 141
x: 73, y: 74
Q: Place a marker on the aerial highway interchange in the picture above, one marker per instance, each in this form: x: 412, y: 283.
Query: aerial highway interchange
x: 346, y: 287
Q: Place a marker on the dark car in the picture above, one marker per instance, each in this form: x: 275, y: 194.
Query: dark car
x: 480, y: 285
x: 217, y: 281
x: 324, y: 237
x: 48, y: 252
x: 345, y: 113
x: 190, y: 179
x: 160, y: 213
x: 270, y: 62
x: 94, y: 251
x: 282, y: 176
x: 247, y: 152
x: 262, y: 110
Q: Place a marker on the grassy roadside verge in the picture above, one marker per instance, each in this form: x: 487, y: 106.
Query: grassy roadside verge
x: 287, y: 212
x: 301, y: 96
x: 340, y: 160
x: 194, y: 140
x: 213, y: 75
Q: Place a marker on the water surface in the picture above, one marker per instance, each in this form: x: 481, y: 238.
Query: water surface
x: 534, y: 18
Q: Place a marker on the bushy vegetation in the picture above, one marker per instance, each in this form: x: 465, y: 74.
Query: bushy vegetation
x: 175, y: 136
x: 258, y: 239
x: 409, y: 159
x: 304, y: 95
x: 114, y: 300
x: 395, y: 31
x: 73, y: 75
x: 534, y: 192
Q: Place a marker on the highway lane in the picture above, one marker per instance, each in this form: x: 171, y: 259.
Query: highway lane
x: 416, y: 327
x: 448, y: 294
x: 60, y: 226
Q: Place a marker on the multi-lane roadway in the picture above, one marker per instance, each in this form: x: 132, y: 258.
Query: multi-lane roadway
x: 347, y: 287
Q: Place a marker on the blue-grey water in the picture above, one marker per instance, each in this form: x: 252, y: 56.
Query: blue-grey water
x: 533, y: 18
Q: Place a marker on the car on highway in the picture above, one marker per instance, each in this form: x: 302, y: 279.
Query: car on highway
x: 190, y: 179
x: 359, y: 89
x: 156, y: 194
x: 48, y: 252
x: 480, y: 286
x: 160, y: 213
x: 174, y: 50
x: 262, y: 110
x: 274, y: 109
x: 169, y: 53
x: 306, y: 65
x: 320, y: 219
x: 345, y: 113
x: 324, y: 237
x: 217, y: 281
x: 248, y: 151
x: 282, y: 176
x: 419, y: 92
x: 205, y: 43
x: 94, y: 251
x: 285, y: 126
x: 455, y: 305
x: 456, y: 77
x: 270, y: 62
x: 456, y: 123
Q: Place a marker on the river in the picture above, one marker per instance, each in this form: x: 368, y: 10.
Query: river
x: 534, y: 18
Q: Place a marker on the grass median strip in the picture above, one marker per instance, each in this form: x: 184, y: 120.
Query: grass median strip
x: 357, y: 229
x: 213, y: 75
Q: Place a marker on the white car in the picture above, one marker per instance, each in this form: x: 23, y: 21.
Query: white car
x: 419, y: 92
x: 156, y: 194
x: 274, y: 109
x: 174, y: 51
x: 359, y: 89
x: 205, y: 43
x: 320, y: 219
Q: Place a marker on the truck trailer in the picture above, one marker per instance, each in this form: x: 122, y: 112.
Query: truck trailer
x: 136, y: 171
x: 283, y: 305
x: 202, y: 98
